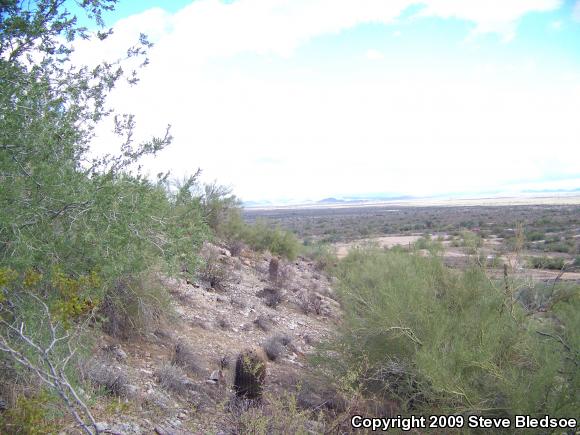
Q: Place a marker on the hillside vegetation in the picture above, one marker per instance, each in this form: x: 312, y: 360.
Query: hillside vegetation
x: 95, y: 258
x: 441, y: 341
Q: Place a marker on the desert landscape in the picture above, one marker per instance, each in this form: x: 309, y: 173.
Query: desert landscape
x: 285, y: 217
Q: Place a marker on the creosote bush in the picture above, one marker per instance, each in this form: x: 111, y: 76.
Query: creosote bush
x: 30, y: 416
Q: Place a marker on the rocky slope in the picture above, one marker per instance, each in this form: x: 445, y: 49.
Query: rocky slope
x: 177, y: 378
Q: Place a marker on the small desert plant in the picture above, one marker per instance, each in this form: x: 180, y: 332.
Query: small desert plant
x: 274, y: 346
x: 236, y: 247
x: 546, y: 263
x: 323, y: 255
x: 263, y: 323
x: 29, y: 416
x: 213, y: 271
x: 186, y: 358
x: 273, y: 269
x: 173, y: 378
x: 134, y: 306
x: 223, y: 323
x: 238, y: 301
x: 250, y: 374
x: 263, y: 237
x: 103, y: 375
x: 434, y: 247
x: 311, y: 302
x: 272, y: 296
x: 279, y: 414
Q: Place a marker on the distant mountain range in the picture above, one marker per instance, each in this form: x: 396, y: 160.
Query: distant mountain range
x: 363, y: 200
x: 385, y: 197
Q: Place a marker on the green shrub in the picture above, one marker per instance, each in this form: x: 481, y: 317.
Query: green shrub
x: 323, y: 255
x: 471, y: 241
x: 29, y: 416
x: 134, y: 306
x: 439, y: 341
x: 433, y: 246
x: 546, y: 263
x: 534, y: 236
x: 263, y: 237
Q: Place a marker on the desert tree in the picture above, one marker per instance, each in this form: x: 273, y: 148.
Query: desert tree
x: 72, y: 224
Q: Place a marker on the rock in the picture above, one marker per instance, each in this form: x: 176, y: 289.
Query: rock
x: 120, y: 354
x: 126, y: 428
x: 215, y: 377
x: 102, y: 426
x: 131, y: 390
x: 116, y: 351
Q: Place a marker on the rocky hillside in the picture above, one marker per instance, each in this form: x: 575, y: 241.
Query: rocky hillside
x: 177, y: 378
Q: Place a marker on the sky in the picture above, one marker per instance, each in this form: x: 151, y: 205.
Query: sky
x: 291, y: 100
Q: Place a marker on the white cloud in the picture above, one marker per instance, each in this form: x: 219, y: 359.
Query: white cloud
x: 372, y: 54
x: 212, y: 28
x: 576, y: 11
x: 414, y: 129
x: 491, y: 16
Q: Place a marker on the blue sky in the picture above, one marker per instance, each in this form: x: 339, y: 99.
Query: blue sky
x: 297, y: 99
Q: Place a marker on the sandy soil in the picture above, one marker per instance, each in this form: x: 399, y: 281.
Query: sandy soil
x: 386, y: 242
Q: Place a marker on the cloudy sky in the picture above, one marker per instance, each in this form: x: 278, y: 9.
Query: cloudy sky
x: 306, y: 99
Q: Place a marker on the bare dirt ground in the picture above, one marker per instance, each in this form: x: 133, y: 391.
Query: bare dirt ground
x: 384, y: 242
x: 216, y: 324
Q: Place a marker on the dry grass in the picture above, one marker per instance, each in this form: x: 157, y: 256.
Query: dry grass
x: 185, y: 357
x: 272, y: 296
x: 173, y: 378
x: 275, y: 346
x: 102, y: 375
x: 263, y: 323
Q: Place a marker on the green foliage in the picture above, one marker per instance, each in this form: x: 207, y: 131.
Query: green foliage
x: 322, y: 254
x: 546, y: 262
x: 219, y: 207
x: 261, y: 236
x: 471, y: 241
x: 442, y: 341
x: 135, y: 305
x: 29, y: 416
x: 435, y: 247
x: 534, y: 236
x: 75, y: 228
